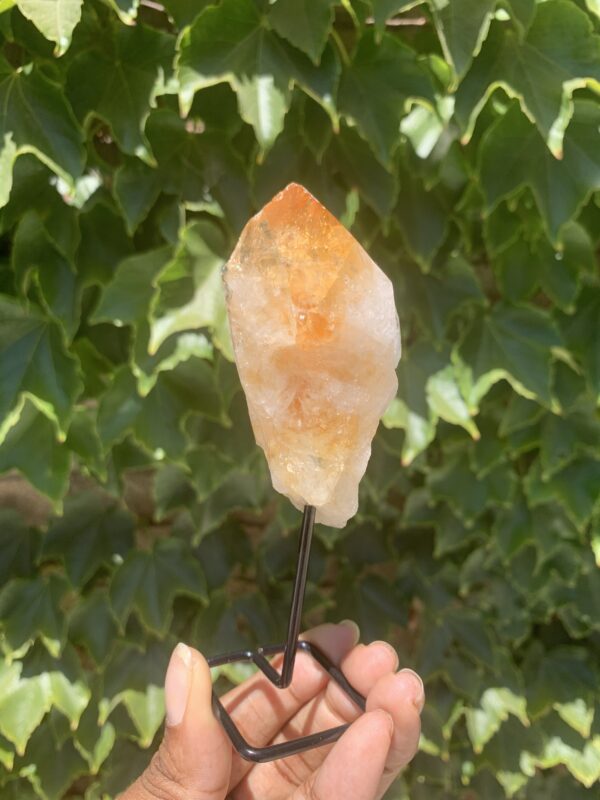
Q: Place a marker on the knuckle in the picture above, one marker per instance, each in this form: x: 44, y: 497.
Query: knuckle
x: 164, y: 779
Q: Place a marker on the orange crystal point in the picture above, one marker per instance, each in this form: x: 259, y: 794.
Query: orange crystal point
x: 317, y: 341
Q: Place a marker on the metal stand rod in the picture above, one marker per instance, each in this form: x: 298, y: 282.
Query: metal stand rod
x: 282, y: 680
x: 289, y: 658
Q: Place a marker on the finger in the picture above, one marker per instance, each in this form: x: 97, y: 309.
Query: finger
x: 402, y: 697
x: 363, y: 667
x: 260, y: 709
x: 354, y: 767
x: 194, y: 759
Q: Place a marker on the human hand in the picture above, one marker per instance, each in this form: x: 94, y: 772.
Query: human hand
x: 196, y: 760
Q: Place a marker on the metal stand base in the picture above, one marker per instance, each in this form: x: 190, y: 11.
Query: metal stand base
x: 282, y: 680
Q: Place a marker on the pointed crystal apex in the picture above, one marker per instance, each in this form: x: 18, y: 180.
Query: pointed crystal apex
x: 317, y: 341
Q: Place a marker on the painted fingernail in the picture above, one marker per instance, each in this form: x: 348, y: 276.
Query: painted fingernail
x: 390, y: 649
x: 349, y: 623
x: 418, y: 692
x: 178, y: 683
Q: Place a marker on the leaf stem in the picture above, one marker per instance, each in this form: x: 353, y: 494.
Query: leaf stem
x: 341, y: 47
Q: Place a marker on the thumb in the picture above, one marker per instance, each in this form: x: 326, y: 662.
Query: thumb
x: 193, y: 761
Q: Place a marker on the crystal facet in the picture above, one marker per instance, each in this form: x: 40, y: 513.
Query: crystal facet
x: 317, y: 341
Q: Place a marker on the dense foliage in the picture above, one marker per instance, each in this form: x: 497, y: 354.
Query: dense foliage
x: 459, y: 140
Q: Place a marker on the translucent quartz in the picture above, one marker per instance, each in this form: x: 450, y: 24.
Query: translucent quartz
x: 317, y: 341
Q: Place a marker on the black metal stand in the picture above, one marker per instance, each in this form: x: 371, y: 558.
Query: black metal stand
x: 282, y: 680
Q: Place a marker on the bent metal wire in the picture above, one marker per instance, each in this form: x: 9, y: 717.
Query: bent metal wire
x: 282, y: 680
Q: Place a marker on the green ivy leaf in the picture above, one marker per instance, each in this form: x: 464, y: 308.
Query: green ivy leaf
x: 560, y: 676
x: 37, y: 189
x: 373, y: 602
x: 577, y: 486
x: 378, y: 186
x: 583, y: 336
x: 34, y: 433
x: 55, y: 19
x: 19, y: 546
x: 410, y: 410
x: 179, y: 349
x: 565, y: 438
x: 104, y: 240
x: 94, y: 741
x: 513, y: 528
x: 172, y: 490
x: 118, y: 78
x: 209, y: 469
x: 511, y: 343
x: 520, y: 413
x: 55, y: 767
x: 230, y: 43
x: 376, y: 88
x: 445, y: 400
x: 23, y: 704
x: 91, y: 534
x: 133, y: 668
x: 196, y: 258
x: 451, y: 533
x: 63, y: 680
x: 305, y: 24
x: 123, y: 766
x: 560, y: 49
x: 437, y: 297
x: 462, y: 27
x: 182, y: 13
x: 562, y: 746
x: 502, y: 754
x: 511, y: 156
x: 524, y: 266
x: 83, y: 440
x: 93, y: 626
x: 34, y: 361
x: 189, y: 388
x: 422, y: 219
x: 383, y: 10
x: 578, y: 714
x: 241, y: 490
x: 146, y: 709
x: 136, y: 188
x: 36, y: 118
x: 496, y: 705
x: 149, y: 582
x: 200, y: 168
x: 522, y: 12
x: 31, y: 609
x: 466, y: 493
x: 126, y: 299
x: 8, y: 155
x: 35, y: 257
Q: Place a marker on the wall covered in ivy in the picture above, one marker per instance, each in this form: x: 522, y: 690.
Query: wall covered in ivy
x: 459, y: 141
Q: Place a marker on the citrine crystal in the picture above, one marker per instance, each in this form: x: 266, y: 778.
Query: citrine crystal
x: 316, y: 341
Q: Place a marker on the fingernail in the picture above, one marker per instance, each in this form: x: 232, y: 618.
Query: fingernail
x: 418, y: 696
x: 178, y: 683
x: 349, y: 623
x: 390, y: 649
